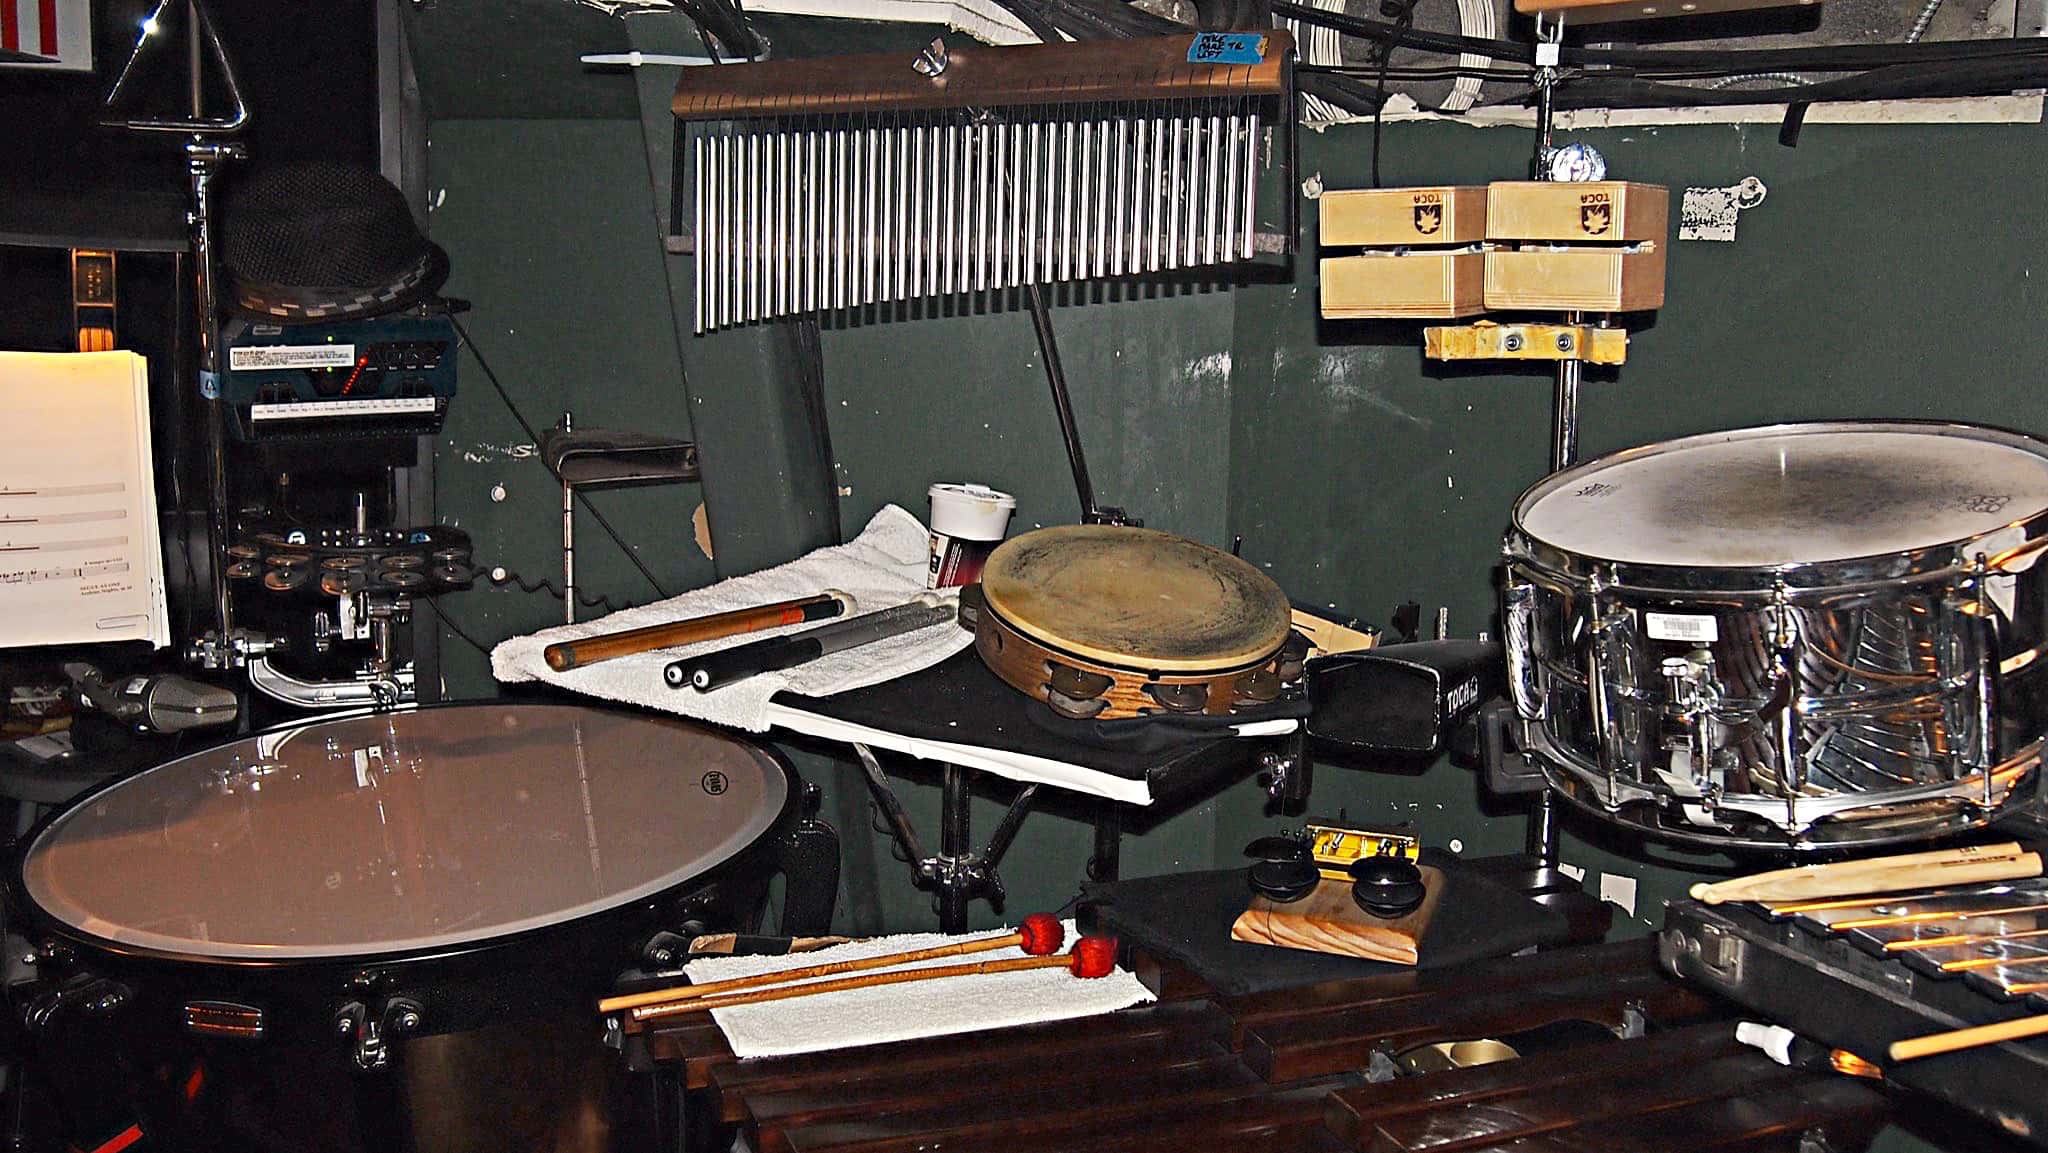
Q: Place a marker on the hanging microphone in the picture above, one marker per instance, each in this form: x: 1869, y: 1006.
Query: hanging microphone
x: 163, y: 703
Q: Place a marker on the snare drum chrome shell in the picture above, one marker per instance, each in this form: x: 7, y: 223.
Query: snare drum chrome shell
x: 1900, y: 684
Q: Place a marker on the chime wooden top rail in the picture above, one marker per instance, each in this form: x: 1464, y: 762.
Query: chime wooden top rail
x: 837, y: 183
x: 980, y: 76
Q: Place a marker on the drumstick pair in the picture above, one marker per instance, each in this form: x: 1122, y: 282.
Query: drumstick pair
x: 1968, y: 865
x: 1090, y: 958
x: 1040, y: 936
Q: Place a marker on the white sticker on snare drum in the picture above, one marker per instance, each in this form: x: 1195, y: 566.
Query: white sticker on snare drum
x: 1689, y: 627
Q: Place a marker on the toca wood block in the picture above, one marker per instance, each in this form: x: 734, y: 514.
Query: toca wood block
x: 1389, y: 217
x: 1586, y: 279
x: 1600, y: 211
x: 1427, y: 285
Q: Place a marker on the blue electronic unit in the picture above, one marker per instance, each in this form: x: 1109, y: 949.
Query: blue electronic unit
x: 388, y: 376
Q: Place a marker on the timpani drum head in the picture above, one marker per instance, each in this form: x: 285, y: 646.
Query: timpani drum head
x: 1791, y: 494
x: 1136, y: 597
x: 400, y: 832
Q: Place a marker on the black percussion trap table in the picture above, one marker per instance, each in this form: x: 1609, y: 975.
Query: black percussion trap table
x: 961, y: 715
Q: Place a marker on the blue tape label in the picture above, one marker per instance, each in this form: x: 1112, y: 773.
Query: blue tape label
x: 1227, y: 48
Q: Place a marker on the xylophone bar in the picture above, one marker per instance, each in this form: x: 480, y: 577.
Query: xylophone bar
x: 1306, y: 1047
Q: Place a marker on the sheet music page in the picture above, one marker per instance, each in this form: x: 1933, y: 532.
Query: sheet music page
x: 81, y: 557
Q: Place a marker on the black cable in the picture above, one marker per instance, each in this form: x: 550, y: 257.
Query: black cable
x: 1447, y: 72
x: 1032, y: 18
x: 544, y: 585
x: 527, y: 427
x: 1899, y: 83
x: 453, y: 627
x: 1848, y: 57
x: 1404, y: 20
x: 1349, y: 94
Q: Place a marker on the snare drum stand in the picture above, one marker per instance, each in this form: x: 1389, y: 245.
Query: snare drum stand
x: 1570, y: 344
x: 958, y: 872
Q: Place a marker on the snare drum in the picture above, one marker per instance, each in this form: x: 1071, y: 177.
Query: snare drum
x: 1787, y: 637
x: 380, y: 932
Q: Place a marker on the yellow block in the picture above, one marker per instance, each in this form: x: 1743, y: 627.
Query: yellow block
x: 1486, y: 340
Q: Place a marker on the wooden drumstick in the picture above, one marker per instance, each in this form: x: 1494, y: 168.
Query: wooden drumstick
x: 1091, y: 957
x: 1877, y: 875
x: 1914, y: 1048
x: 1039, y: 934
x: 565, y: 655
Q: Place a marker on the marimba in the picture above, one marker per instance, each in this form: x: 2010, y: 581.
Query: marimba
x: 1616, y: 1056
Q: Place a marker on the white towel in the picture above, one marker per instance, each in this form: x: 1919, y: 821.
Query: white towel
x: 934, y: 1008
x: 882, y: 567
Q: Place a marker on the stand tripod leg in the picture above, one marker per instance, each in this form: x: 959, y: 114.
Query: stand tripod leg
x: 1109, y: 845
x: 955, y: 876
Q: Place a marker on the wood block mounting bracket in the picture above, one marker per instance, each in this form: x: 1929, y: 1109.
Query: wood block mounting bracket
x: 1487, y: 340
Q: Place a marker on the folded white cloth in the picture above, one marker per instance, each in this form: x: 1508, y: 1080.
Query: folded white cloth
x: 884, y: 566
x: 933, y: 1008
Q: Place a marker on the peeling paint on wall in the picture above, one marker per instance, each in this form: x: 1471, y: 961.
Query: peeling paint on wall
x: 483, y: 452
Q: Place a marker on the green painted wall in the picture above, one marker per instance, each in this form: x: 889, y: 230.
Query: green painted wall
x: 1887, y: 274
x: 547, y: 228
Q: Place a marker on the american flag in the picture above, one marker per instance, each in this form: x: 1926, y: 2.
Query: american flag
x: 58, y: 31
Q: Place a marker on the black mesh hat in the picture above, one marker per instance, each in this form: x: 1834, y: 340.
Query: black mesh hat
x: 319, y: 240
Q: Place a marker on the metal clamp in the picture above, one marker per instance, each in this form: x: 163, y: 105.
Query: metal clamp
x: 371, y: 1029
x: 932, y: 59
x: 1487, y: 340
x: 956, y: 871
x: 361, y: 693
x: 84, y: 993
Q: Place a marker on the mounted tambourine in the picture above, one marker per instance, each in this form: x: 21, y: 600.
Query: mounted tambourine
x: 1109, y: 621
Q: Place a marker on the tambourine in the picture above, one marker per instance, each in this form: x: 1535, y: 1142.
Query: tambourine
x: 1109, y: 621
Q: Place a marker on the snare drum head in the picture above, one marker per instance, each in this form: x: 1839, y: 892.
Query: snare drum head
x: 1791, y: 494
x: 400, y: 832
x: 1135, y: 597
